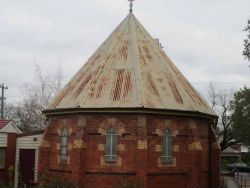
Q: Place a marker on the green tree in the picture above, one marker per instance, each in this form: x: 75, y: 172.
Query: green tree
x: 241, y: 116
x: 246, y: 51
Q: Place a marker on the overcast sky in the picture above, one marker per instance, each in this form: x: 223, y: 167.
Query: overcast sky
x: 204, y: 38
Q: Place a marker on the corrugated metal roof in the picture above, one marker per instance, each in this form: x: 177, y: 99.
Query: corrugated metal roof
x: 3, y: 123
x: 130, y: 70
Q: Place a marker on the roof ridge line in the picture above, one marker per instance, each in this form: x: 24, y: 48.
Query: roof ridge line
x: 118, y: 28
x: 146, y: 34
x: 135, y: 53
x: 130, y: 69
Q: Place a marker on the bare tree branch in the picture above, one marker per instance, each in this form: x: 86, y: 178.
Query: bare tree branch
x: 220, y: 103
x: 28, y: 113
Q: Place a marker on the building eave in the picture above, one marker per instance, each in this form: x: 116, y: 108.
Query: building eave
x: 31, y: 133
x: 54, y: 112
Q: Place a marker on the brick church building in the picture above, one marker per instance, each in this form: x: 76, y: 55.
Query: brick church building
x: 129, y: 115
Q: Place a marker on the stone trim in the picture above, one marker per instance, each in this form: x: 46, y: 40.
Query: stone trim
x: 103, y: 162
x: 69, y: 146
x: 45, y: 144
x: 176, y: 148
x: 161, y: 164
x: 142, y: 145
x: 120, y: 147
x: 158, y: 148
x: 195, y: 146
x: 58, y: 146
x: 101, y: 147
x: 79, y: 144
x: 82, y: 122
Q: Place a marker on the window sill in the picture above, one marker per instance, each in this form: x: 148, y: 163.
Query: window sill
x: 110, y: 159
x: 64, y: 162
x: 167, y: 159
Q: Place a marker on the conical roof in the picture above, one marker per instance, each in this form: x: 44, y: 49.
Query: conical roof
x: 130, y: 70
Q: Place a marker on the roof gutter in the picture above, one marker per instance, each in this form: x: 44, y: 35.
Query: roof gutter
x: 68, y: 111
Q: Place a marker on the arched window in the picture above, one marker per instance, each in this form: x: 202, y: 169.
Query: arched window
x: 110, y: 153
x: 64, y: 145
x: 167, y: 147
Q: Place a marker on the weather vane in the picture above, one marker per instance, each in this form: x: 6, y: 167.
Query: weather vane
x: 131, y: 5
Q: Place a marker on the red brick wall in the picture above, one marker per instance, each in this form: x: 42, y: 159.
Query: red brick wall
x: 139, y: 143
x: 215, y: 161
x: 10, y: 156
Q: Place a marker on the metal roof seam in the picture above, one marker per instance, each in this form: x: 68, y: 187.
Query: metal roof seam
x: 130, y: 70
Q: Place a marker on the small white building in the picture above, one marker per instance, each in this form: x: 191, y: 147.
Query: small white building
x: 26, y: 166
x: 9, y: 126
x: 19, y: 152
x: 8, y: 134
x: 3, y: 146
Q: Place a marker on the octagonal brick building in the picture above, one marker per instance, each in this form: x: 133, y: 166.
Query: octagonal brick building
x: 130, y: 116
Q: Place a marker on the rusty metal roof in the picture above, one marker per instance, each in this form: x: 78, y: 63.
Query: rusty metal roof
x: 130, y: 69
x: 3, y: 123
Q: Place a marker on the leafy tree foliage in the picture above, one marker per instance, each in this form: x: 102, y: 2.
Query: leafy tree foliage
x: 233, y: 110
x: 246, y: 51
x: 241, y: 116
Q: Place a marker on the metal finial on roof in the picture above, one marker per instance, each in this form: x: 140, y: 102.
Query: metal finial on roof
x: 129, y: 71
x: 131, y: 5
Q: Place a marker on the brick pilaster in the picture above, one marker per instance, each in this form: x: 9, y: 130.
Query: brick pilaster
x: 142, y: 150
x: 79, y: 146
x: 195, y: 155
x: 214, y: 161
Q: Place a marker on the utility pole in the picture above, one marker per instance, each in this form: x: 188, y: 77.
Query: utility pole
x: 2, y: 98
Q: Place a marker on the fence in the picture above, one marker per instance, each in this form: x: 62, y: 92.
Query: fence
x: 223, y: 180
x: 243, y: 179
